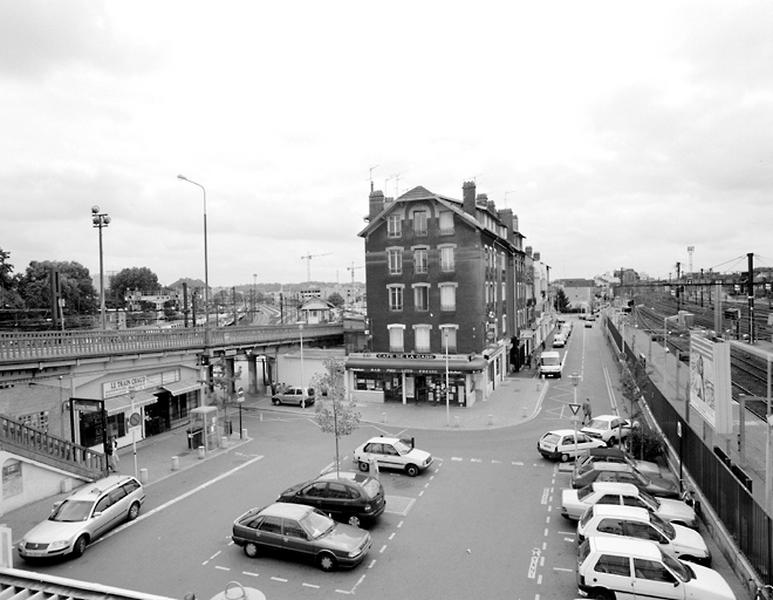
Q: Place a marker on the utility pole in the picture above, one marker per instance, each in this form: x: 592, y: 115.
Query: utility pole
x: 678, y: 285
x: 750, y: 293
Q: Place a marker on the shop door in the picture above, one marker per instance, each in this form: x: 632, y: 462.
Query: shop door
x: 157, y: 417
x: 393, y: 389
x: 422, y: 391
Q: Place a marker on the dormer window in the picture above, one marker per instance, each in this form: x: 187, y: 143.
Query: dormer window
x: 420, y: 222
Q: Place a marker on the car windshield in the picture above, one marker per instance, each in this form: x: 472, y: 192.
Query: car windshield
x: 664, y: 526
x: 72, y: 510
x: 551, y: 438
x: 402, y: 447
x: 652, y: 503
x: 316, y: 524
x: 372, y: 488
x: 599, y: 424
x: 550, y: 361
x: 584, y: 491
x: 684, y: 572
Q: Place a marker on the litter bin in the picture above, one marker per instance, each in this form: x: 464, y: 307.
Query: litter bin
x: 228, y: 427
x: 195, y: 437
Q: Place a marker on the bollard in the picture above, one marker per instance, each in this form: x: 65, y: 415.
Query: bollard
x: 244, y: 434
x: 261, y: 416
x: 224, y: 442
x: 143, y: 475
x: 383, y: 417
x: 490, y: 419
x: 456, y: 421
x: 175, y: 463
x: 202, y: 452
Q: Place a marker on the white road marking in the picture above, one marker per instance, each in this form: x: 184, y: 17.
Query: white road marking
x: 400, y: 524
x: 476, y: 460
x: 280, y: 579
x: 373, y: 562
x: 517, y: 463
x: 545, y: 494
x: 566, y: 533
x: 215, y: 554
x: 384, y: 547
x: 344, y: 592
x: 494, y: 461
x: 391, y: 535
x: 250, y: 574
x: 568, y: 539
x: 222, y: 568
x: 311, y: 585
x: 456, y: 458
x: 421, y: 493
x: 563, y: 570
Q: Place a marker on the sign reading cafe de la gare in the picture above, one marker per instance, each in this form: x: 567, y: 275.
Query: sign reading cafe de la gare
x: 405, y: 355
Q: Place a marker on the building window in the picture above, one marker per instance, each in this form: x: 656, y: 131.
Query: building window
x: 448, y: 336
x: 395, y: 261
x: 394, y: 226
x: 420, y: 222
x: 447, y: 258
x: 446, y: 222
x: 420, y: 263
x: 421, y: 297
x: 447, y: 296
x: 396, y: 343
x: 421, y: 334
x: 395, y: 297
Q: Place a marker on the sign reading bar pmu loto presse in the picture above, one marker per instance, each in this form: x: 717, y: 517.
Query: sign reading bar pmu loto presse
x: 710, y: 381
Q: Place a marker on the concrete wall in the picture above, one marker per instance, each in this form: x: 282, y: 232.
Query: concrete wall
x: 33, y: 481
x: 289, y: 369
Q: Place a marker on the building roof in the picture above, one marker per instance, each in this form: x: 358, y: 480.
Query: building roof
x: 577, y: 283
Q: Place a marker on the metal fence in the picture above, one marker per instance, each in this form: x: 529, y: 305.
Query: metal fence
x: 743, y: 518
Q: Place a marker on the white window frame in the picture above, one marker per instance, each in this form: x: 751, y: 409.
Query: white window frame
x: 394, y: 226
x: 444, y: 306
x: 395, y: 260
x: 422, y: 332
x: 443, y: 251
x: 396, y: 337
x: 398, y: 290
x: 447, y: 227
x: 425, y: 213
x: 425, y: 288
x: 425, y: 266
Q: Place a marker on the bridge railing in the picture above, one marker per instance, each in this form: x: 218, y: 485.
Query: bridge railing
x: 24, y: 346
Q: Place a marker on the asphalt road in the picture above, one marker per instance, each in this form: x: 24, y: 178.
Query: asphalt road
x: 483, y: 522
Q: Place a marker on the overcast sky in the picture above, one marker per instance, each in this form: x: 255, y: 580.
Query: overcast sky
x: 619, y: 132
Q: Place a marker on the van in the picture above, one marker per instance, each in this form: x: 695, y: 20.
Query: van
x: 550, y: 364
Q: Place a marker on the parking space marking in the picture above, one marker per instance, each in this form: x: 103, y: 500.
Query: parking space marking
x: 280, y: 579
x: 222, y: 568
x: 310, y: 585
x: 250, y: 574
x: 384, y: 547
x: 457, y: 458
x: 372, y: 562
x: 399, y: 505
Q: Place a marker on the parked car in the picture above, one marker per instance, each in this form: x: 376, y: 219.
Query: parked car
x: 606, y: 454
x: 559, y: 444
x: 302, y: 396
x: 302, y: 532
x: 392, y: 453
x: 617, y: 567
x: 634, y: 522
x: 559, y: 341
x: 348, y: 496
x: 83, y: 516
x: 606, y: 471
x: 609, y: 428
x: 574, y: 502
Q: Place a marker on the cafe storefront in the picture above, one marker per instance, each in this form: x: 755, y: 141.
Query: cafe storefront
x: 415, y: 378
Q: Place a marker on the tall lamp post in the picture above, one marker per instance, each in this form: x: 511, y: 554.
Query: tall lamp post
x: 303, y: 381
x: 134, y: 432
x: 99, y: 221
x: 206, y: 261
x: 575, y: 379
x: 448, y: 389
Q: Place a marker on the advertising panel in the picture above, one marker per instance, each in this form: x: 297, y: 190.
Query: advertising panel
x: 710, y: 381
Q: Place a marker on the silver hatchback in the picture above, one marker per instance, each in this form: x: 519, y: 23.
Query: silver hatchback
x: 83, y: 516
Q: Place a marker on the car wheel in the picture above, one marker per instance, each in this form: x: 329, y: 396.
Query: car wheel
x: 276, y: 401
x: 564, y: 457
x: 251, y: 549
x: 354, y: 521
x: 80, y: 545
x: 326, y: 561
x: 134, y: 510
x: 412, y: 470
x: 364, y: 467
x: 601, y: 595
x: 612, y: 441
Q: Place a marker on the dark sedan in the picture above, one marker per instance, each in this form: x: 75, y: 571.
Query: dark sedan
x: 348, y: 496
x: 302, y: 532
x: 624, y: 473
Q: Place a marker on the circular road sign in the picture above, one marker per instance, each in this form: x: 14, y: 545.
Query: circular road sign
x: 134, y: 419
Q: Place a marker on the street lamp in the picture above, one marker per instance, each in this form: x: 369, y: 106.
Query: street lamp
x: 99, y: 221
x: 575, y: 379
x: 134, y: 433
x: 206, y: 262
x: 303, y: 381
x: 448, y: 389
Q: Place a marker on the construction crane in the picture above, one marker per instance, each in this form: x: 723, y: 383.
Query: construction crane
x: 308, y: 258
x: 352, y: 269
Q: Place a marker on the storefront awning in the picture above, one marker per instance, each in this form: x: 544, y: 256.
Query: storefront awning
x: 124, y: 402
x: 405, y: 364
x: 181, y: 387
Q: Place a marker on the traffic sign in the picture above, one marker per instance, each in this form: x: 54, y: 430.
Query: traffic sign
x: 240, y: 395
x: 134, y: 419
x: 574, y: 407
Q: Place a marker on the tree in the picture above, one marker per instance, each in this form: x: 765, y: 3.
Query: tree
x: 336, y: 299
x: 334, y: 415
x: 9, y: 283
x: 78, y: 291
x: 562, y: 302
x: 133, y: 278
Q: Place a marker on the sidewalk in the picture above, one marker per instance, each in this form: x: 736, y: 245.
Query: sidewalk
x: 515, y: 400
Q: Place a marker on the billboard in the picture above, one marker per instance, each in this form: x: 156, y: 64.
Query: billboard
x: 710, y: 381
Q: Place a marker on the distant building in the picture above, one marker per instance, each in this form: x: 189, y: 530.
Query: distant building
x: 580, y: 293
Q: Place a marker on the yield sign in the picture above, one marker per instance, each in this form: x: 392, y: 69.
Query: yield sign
x: 574, y: 407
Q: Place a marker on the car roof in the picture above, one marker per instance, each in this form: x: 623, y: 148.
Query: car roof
x: 615, y: 487
x: 635, y: 513
x: 95, y: 488
x: 608, y: 417
x: 381, y: 438
x: 625, y: 545
x: 286, y: 510
x: 560, y: 431
x: 605, y: 451
x: 345, y: 476
x: 602, y: 465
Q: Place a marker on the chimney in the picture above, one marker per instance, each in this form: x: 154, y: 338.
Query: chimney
x: 536, y: 256
x: 468, y: 197
x: 506, y: 216
x: 482, y: 200
x: 528, y: 250
x: 376, y: 203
